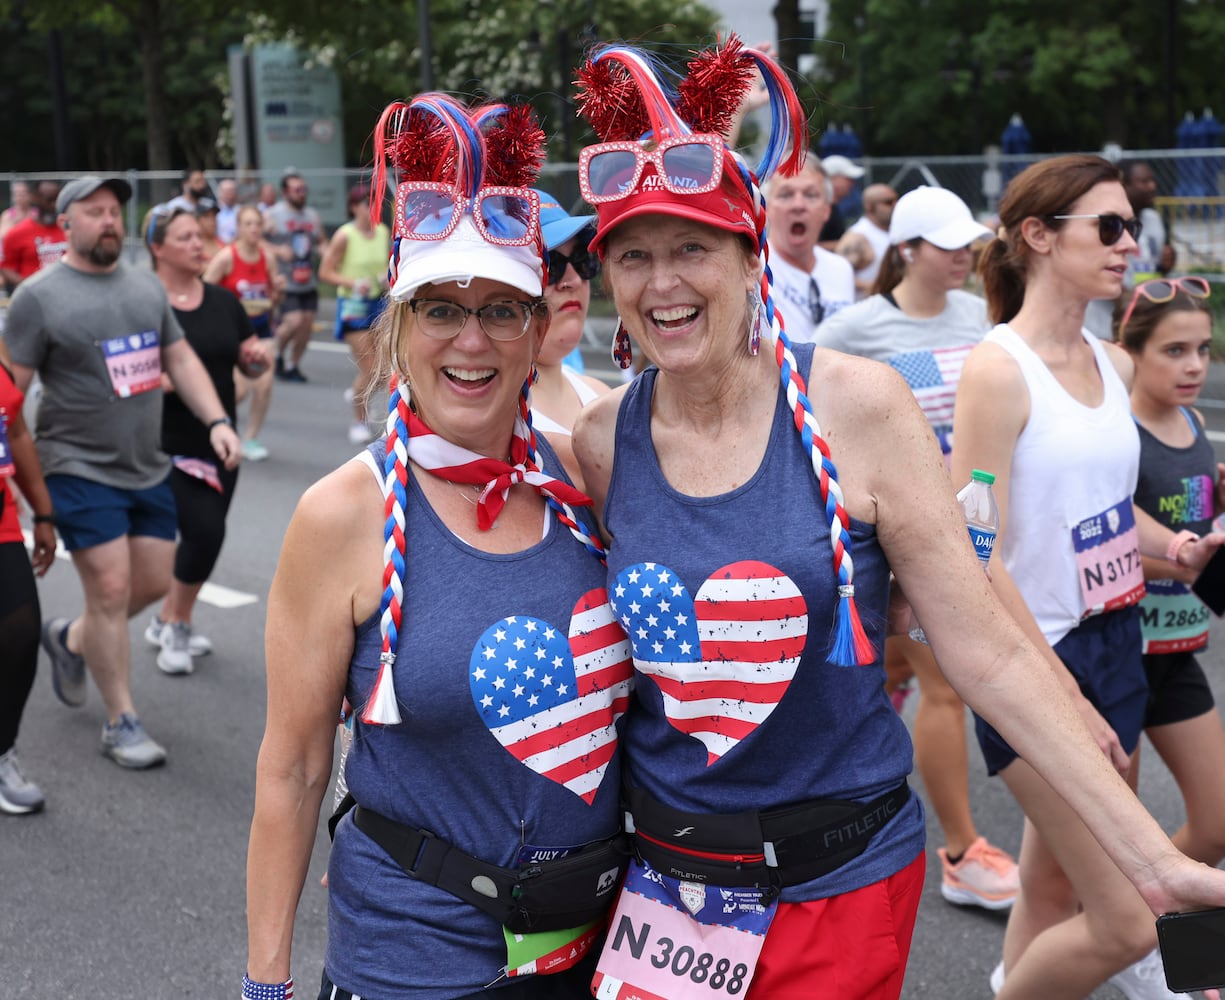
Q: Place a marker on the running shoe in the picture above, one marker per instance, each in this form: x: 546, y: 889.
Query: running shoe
x: 67, y: 667
x: 253, y: 451
x: 1145, y: 980
x: 292, y: 375
x: 997, y: 978
x: 128, y: 745
x: 197, y: 644
x: 175, y: 654
x: 18, y: 795
x: 985, y: 876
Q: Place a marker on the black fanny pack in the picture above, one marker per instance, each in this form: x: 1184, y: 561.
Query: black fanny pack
x: 771, y: 849
x: 549, y: 896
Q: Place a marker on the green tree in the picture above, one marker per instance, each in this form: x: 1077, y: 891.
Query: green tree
x: 942, y: 76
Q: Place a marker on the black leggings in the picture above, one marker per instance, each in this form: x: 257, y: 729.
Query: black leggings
x: 201, y: 514
x: 19, y: 623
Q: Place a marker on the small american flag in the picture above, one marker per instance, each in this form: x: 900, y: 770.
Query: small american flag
x: 722, y: 661
x: 933, y: 377
x: 553, y: 699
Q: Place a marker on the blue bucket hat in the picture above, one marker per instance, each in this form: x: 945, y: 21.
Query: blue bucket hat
x: 557, y: 226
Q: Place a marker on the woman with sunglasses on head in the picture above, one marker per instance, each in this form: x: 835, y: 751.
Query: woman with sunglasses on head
x: 356, y: 263
x: 757, y: 496
x: 462, y: 614
x: 1043, y: 404
x: 1166, y: 328
x: 220, y: 333
x: 559, y: 391
x: 243, y: 268
x: 921, y: 322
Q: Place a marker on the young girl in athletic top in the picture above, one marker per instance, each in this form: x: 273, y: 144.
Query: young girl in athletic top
x: 1166, y: 327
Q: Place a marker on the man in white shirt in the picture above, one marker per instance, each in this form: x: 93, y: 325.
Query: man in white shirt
x: 878, y: 202
x: 810, y: 282
x: 227, y: 210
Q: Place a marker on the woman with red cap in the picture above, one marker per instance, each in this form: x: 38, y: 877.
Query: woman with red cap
x: 443, y: 585
x: 778, y: 852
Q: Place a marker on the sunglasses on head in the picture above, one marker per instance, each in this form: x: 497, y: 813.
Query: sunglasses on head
x: 507, y: 216
x: 1110, y: 226
x: 1163, y: 290
x: 689, y: 164
x: 586, y: 264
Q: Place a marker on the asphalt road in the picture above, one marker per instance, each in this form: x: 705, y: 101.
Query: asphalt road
x: 132, y: 884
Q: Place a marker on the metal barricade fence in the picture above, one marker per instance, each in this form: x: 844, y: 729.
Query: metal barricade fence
x: 1190, y: 185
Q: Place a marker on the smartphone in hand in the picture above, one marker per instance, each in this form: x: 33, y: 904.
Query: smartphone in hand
x: 1193, y: 949
x: 1209, y: 586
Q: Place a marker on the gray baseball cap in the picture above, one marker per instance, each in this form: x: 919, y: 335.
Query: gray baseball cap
x: 83, y: 187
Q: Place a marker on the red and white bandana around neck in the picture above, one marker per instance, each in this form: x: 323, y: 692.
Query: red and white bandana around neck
x: 456, y: 464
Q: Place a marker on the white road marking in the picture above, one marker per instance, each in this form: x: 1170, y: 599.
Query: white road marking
x: 211, y: 593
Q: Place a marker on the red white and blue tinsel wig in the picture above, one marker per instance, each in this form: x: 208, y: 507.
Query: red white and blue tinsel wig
x: 435, y: 139
x: 624, y: 95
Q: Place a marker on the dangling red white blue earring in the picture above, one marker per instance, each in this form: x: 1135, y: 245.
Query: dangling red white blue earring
x: 622, y: 349
x: 757, y: 322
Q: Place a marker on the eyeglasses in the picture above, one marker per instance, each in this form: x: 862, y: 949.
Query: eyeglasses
x: 441, y: 319
x: 160, y: 217
x: 586, y: 264
x: 1110, y: 226
x: 1163, y: 290
x: 689, y: 164
x: 507, y: 216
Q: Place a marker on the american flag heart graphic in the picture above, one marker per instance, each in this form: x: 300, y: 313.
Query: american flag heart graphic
x: 722, y: 661
x: 553, y: 699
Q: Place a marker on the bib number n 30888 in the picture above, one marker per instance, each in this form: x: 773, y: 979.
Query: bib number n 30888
x: 674, y: 940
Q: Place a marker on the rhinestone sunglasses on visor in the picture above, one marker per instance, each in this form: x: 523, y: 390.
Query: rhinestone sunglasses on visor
x: 507, y: 216
x: 690, y: 164
x: 1163, y: 290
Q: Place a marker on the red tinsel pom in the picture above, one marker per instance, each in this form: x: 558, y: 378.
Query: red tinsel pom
x: 423, y: 149
x: 610, y: 100
x: 717, y: 82
x: 515, y: 148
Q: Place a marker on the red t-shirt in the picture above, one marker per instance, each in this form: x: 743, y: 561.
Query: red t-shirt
x: 11, y: 399
x: 247, y: 280
x: 30, y: 246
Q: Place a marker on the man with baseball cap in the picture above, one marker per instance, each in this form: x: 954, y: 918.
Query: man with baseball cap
x: 100, y: 334
x: 842, y: 174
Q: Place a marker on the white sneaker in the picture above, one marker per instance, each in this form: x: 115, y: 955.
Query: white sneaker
x: 997, y: 978
x: 360, y: 434
x: 197, y: 644
x: 175, y: 655
x: 1145, y: 980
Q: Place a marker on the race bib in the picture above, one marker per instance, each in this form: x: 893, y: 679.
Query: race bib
x: 7, y: 468
x: 134, y: 363
x: 673, y: 940
x: 1172, y: 618
x: 1107, y: 547
x: 199, y: 469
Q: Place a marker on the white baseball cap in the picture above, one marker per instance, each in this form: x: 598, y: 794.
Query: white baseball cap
x: 839, y: 166
x: 936, y: 215
x: 462, y: 256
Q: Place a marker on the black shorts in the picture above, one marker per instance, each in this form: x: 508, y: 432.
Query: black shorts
x: 300, y: 302
x: 1177, y: 689
x: 1103, y: 654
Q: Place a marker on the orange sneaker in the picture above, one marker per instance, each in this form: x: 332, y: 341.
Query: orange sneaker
x: 985, y: 876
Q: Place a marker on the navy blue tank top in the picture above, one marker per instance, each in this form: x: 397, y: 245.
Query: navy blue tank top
x: 728, y: 602
x: 511, y: 682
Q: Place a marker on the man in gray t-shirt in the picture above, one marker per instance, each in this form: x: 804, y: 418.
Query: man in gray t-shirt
x: 296, y: 235
x: 100, y: 335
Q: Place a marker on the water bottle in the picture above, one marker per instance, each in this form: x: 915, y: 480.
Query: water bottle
x: 982, y: 516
